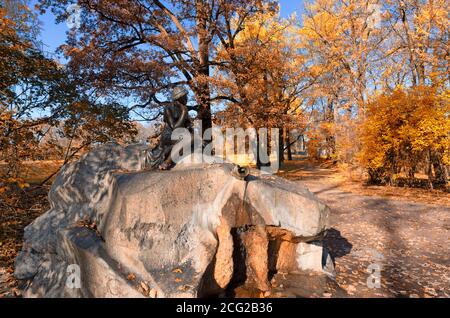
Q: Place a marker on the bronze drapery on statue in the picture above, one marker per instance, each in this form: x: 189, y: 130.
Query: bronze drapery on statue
x: 176, y: 115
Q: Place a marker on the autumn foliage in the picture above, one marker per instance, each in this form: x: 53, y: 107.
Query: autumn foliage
x: 364, y: 83
x: 45, y: 113
x: 406, y: 131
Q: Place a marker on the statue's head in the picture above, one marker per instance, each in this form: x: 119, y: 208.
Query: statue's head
x: 180, y: 93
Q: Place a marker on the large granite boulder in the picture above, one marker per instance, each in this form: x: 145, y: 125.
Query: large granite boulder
x: 116, y: 230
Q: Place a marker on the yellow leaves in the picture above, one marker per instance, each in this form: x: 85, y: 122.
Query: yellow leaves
x: 7, y: 182
x: 319, y: 4
x: 404, y: 124
x: 446, y: 155
x: 433, y: 13
x: 316, y: 70
x: 327, y: 127
x: 266, y: 69
x: 321, y: 25
x: 265, y: 27
x: 23, y: 185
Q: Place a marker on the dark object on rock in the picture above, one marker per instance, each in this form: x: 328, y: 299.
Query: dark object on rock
x: 176, y: 116
x: 240, y: 172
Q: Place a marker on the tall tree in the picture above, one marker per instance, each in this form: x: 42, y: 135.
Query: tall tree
x: 419, y: 53
x: 36, y: 94
x: 420, y: 36
x: 264, y: 75
x: 344, y: 41
x: 139, y: 49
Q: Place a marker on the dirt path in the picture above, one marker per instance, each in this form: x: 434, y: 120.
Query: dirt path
x: 408, y: 242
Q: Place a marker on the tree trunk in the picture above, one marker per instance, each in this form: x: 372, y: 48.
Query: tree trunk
x: 430, y: 171
x: 258, y: 159
x: 411, y: 175
x: 281, y: 145
x: 288, y: 146
x: 440, y: 173
x: 303, y: 143
x: 331, y: 145
x: 203, y: 91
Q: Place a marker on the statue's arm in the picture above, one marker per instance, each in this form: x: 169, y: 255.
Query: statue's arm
x: 168, y: 117
x: 183, y: 116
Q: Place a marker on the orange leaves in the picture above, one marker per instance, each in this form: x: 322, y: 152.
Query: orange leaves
x: 264, y: 73
x: 6, y: 24
x: 323, y: 24
x: 404, y: 127
x: 16, y: 142
x: 327, y: 127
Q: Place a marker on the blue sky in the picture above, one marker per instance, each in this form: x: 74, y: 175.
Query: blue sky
x: 53, y: 35
x: 290, y: 6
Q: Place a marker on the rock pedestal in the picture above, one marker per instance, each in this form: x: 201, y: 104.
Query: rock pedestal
x: 114, y: 230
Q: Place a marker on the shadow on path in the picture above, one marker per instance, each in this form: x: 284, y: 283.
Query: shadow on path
x: 336, y: 244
